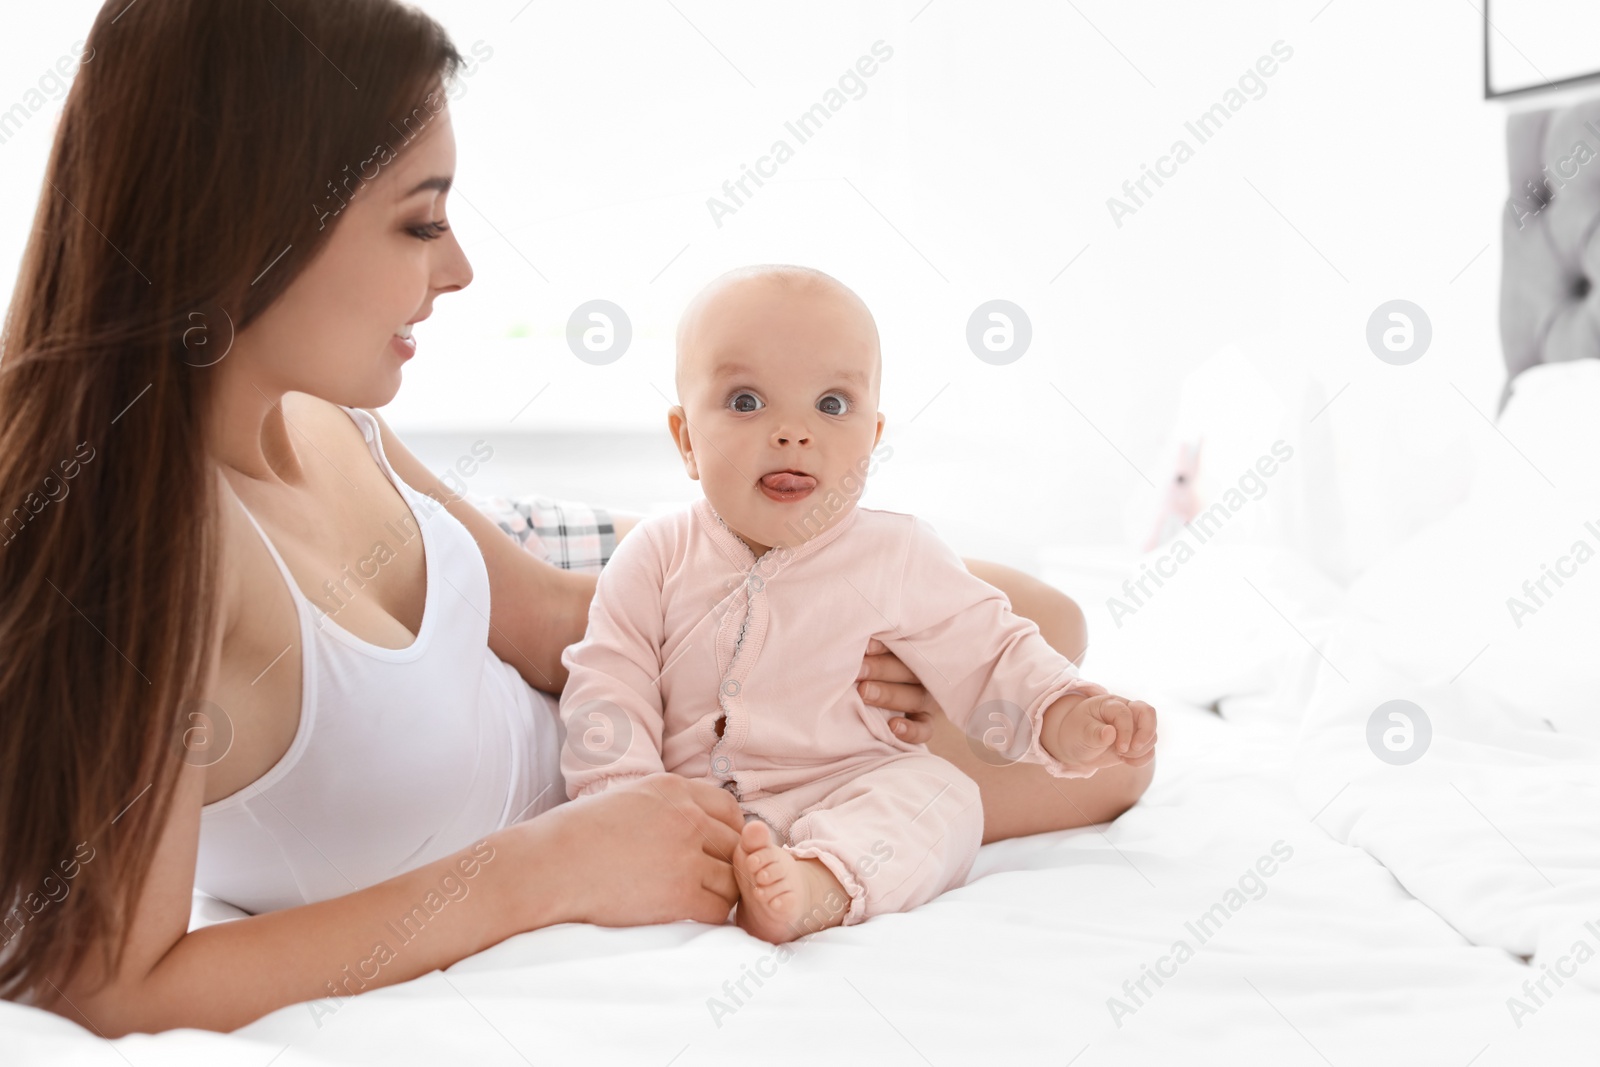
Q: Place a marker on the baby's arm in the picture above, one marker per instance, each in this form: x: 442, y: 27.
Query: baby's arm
x: 995, y: 675
x: 611, y: 704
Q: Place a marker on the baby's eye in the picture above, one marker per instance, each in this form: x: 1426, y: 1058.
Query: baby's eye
x: 834, y: 404
x: 737, y: 399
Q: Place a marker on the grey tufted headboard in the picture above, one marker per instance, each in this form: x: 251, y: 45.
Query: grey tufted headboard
x: 1549, y: 306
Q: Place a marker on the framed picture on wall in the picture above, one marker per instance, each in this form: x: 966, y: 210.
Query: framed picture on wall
x: 1532, y: 45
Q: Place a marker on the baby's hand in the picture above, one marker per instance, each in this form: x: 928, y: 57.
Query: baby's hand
x: 1090, y: 732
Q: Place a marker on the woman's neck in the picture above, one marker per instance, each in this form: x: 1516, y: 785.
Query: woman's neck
x: 249, y: 430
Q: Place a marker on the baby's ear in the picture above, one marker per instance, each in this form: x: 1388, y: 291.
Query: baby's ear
x: 678, y: 427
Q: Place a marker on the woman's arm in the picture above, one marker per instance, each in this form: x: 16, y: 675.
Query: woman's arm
x: 171, y: 978
x: 643, y: 853
x: 536, y: 609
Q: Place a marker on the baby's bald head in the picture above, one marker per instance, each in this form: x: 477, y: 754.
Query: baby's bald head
x: 743, y: 297
x: 777, y: 416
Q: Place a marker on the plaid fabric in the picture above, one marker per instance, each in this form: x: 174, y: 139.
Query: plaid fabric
x: 568, y: 534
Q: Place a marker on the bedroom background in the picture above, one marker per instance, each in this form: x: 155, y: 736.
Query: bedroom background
x: 1365, y: 168
x: 1339, y: 157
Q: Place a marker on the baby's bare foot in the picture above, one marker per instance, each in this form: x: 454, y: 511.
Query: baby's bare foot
x: 781, y: 897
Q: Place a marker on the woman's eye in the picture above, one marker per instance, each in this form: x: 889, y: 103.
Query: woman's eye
x: 431, y: 231
x: 834, y: 404
x: 737, y: 401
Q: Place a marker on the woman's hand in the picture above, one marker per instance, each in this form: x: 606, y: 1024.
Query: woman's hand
x: 888, y: 684
x: 654, y: 850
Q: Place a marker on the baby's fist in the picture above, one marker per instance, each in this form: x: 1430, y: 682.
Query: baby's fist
x: 1089, y: 732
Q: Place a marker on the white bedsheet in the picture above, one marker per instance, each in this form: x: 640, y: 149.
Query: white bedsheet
x: 1496, y: 827
x: 1335, y: 962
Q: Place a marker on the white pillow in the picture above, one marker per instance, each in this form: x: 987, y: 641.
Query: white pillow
x: 1549, y: 433
x: 1503, y: 592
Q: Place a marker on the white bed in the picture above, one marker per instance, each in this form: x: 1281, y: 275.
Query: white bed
x: 1327, y: 959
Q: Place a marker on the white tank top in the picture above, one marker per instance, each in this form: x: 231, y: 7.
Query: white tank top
x: 402, y: 756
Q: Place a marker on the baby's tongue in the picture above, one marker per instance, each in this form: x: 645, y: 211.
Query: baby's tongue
x: 784, y: 482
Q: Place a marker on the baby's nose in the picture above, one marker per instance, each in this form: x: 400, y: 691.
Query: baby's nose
x: 788, y: 434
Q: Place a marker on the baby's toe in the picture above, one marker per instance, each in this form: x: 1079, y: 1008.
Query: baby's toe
x: 756, y: 836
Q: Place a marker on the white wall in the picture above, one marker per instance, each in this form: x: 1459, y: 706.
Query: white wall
x: 977, y: 165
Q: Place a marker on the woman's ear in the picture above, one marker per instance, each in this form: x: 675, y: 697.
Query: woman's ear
x: 879, y: 435
x: 678, y: 426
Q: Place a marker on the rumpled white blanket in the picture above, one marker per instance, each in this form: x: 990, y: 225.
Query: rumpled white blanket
x: 1496, y: 827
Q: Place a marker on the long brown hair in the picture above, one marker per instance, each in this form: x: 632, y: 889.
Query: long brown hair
x: 202, y: 158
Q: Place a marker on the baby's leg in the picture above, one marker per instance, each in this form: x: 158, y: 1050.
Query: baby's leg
x: 891, y: 838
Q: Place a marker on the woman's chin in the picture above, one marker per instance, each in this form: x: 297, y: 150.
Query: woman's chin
x: 370, y: 394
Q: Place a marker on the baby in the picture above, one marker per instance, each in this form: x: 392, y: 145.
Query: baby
x: 725, y: 639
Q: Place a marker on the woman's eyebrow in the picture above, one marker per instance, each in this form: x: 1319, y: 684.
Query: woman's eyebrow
x: 440, y: 184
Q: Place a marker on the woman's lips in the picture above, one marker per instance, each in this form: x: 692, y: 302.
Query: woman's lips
x: 785, y: 487
x: 402, y: 347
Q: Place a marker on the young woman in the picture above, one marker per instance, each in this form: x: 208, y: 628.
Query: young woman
x: 243, y: 215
